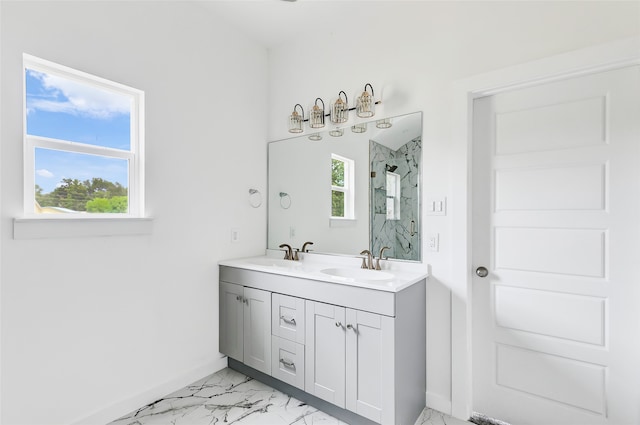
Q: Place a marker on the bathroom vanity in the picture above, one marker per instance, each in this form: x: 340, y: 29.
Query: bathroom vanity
x: 348, y: 341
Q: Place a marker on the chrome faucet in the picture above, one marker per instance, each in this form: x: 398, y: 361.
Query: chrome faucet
x: 380, y: 257
x: 288, y: 254
x: 367, y: 262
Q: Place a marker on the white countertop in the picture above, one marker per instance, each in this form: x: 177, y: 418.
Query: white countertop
x: 394, y: 276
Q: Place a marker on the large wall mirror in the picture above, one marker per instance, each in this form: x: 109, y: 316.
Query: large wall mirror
x: 359, y: 190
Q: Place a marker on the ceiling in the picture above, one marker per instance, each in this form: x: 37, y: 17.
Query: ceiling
x: 273, y: 22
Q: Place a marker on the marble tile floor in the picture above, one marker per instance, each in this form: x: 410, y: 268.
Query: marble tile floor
x: 229, y: 397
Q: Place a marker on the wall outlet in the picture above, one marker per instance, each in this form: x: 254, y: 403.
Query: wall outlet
x: 292, y: 232
x: 235, y: 234
x: 433, y: 242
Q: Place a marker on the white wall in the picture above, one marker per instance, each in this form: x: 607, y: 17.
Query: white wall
x: 89, y: 323
x: 411, y: 53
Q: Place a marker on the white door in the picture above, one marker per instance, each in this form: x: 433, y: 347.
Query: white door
x: 556, y: 223
x: 325, y: 352
x: 231, y: 320
x: 257, y: 329
x: 369, y: 368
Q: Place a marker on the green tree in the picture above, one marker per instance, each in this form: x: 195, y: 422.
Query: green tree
x: 95, y: 195
x: 70, y: 193
x: 337, y: 179
x: 117, y: 204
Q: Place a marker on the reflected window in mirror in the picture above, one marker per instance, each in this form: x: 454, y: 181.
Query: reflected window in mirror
x: 342, y: 190
x: 393, y: 196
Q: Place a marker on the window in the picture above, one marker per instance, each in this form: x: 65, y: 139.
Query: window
x: 393, y: 196
x: 83, y: 144
x: 342, y: 187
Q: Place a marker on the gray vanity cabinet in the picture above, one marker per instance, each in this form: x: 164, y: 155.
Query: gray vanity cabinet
x: 245, y: 325
x: 350, y: 359
x: 357, y: 353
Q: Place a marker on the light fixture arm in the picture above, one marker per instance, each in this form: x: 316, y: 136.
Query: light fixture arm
x: 346, y: 99
x: 370, y: 86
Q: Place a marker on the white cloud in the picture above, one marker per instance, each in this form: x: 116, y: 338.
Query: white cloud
x: 77, y: 98
x: 44, y: 173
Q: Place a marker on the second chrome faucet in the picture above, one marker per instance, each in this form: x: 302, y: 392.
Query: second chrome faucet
x: 367, y: 262
x: 292, y: 253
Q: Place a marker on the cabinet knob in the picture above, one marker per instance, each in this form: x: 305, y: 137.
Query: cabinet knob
x: 238, y: 298
x: 353, y: 328
x: 338, y: 325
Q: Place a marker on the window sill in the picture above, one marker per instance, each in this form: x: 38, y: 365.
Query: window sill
x: 52, y: 228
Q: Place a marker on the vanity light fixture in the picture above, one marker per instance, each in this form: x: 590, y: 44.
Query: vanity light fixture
x: 296, y: 120
x: 336, y: 132
x: 315, y: 137
x: 339, y: 113
x: 316, y: 116
x: 365, y: 104
x: 340, y: 109
x: 384, y: 123
x: 359, y: 128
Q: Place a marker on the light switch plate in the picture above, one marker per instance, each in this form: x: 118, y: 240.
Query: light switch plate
x: 436, y: 205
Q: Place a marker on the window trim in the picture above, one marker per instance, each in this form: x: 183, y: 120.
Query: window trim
x: 395, y: 199
x: 135, y: 154
x: 348, y: 189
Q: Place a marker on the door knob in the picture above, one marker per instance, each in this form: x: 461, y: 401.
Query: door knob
x: 482, y: 271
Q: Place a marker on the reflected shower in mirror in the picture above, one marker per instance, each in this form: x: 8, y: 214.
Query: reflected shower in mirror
x: 348, y: 193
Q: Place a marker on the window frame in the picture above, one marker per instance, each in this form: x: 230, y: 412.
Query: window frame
x: 134, y: 156
x: 395, y: 198
x: 348, y: 189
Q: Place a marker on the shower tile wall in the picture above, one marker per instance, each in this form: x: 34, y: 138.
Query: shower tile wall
x: 396, y: 234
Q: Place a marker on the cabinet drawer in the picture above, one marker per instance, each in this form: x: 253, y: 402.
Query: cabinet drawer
x: 287, y: 359
x: 287, y: 317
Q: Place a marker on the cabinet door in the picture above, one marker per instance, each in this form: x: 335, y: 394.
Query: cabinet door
x: 231, y: 320
x: 287, y: 319
x: 257, y: 329
x: 325, y: 352
x: 370, y: 364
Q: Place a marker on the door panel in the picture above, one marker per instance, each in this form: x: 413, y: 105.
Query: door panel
x: 231, y: 320
x: 556, y: 220
x: 257, y: 329
x: 369, y: 357
x: 325, y: 352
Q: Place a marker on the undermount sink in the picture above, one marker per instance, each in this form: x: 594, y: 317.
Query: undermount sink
x: 274, y: 262
x: 352, y: 274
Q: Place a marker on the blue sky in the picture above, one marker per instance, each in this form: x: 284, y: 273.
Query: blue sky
x: 61, y: 108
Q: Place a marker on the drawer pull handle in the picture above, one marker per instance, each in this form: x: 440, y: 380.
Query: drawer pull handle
x: 291, y: 321
x: 288, y: 363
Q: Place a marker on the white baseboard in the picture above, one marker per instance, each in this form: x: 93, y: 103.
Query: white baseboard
x: 123, y: 407
x: 439, y: 403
